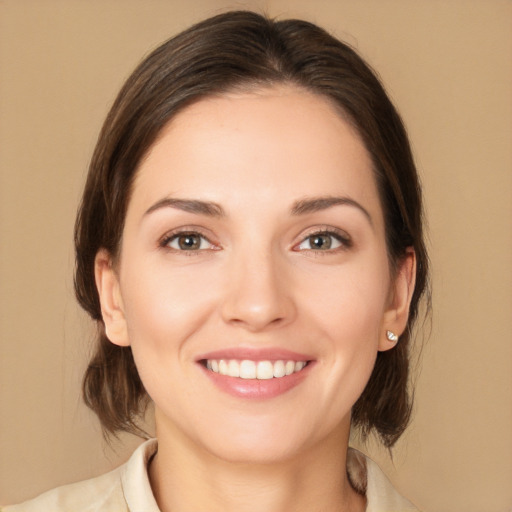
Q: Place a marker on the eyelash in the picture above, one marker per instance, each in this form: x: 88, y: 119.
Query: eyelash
x: 339, y: 236
x: 168, y: 238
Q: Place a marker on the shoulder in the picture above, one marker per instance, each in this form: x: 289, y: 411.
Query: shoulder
x: 103, y: 493
x: 123, y: 489
x: 367, y: 478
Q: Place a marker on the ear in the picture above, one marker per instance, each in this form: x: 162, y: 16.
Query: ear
x: 112, y: 309
x: 402, y: 288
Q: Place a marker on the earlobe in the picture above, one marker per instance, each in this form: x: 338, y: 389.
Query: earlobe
x: 396, y: 316
x: 112, y: 309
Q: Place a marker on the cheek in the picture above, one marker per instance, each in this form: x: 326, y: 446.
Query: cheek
x: 348, y: 313
x: 165, y: 305
x: 350, y: 302
x: 164, y: 308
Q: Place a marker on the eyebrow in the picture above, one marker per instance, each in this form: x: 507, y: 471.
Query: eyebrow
x: 301, y: 207
x: 317, y: 204
x: 189, y: 205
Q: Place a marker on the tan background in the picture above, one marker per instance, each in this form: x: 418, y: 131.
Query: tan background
x: 446, y: 63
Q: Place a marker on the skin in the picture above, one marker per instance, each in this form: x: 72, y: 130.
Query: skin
x: 256, y: 281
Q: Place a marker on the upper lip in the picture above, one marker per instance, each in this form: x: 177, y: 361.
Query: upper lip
x: 255, y: 354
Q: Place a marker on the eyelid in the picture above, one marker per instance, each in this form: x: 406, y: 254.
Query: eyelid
x: 163, y: 241
x: 342, y: 236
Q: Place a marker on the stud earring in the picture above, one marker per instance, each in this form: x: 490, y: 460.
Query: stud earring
x: 391, y: 336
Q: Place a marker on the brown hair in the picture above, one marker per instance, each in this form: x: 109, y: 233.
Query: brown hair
x: 226, y: 52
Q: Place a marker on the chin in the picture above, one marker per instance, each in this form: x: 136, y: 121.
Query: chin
x: 268, y: 440
x: 257, y: 449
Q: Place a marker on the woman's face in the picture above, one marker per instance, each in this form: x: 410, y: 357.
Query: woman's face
x: 254, y: 244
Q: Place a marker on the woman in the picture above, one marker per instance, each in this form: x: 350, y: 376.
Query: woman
x: 250, y: 245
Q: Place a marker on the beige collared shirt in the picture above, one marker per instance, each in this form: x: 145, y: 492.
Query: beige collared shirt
x: 127, y: 489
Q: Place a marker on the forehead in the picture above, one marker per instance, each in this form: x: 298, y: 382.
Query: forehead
x: 281, y: 139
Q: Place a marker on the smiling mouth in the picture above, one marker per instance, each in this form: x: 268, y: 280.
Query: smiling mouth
x: 260, y: 370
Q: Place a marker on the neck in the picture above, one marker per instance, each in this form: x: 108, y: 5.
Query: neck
x: 185, y: 478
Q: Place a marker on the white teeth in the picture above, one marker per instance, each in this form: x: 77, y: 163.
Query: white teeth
x: 264, y: 370
x: 299, y: 365
x: 279, y: 369
x: 223, y: 367
x: 233, y: 369
x: 247, y: 369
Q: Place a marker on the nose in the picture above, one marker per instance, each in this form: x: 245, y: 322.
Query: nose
x: 259, y: 294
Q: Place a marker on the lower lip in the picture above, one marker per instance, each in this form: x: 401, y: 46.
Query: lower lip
x: 256, y: 388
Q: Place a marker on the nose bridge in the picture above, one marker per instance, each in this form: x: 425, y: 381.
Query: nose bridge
x: 258, y: 293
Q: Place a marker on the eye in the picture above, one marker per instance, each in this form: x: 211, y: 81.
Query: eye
x: 324, y: 241
x: 187, y: 241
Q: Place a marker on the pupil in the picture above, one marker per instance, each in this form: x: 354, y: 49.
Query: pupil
x: 188, y: 242
x: 321, y: 242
